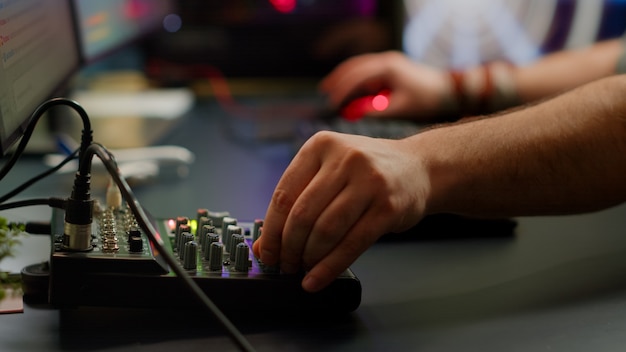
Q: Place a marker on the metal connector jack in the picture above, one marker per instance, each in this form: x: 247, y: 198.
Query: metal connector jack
x: 77, y: 237
x: 78, y: 216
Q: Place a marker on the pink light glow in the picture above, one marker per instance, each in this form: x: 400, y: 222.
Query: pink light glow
x: 380, y: 102
x: 284, y: 6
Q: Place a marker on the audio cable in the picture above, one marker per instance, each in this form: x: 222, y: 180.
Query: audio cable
x: 38, y: 178
x: 86, y: 137
x: 146, y: 225
x: 79, y: 206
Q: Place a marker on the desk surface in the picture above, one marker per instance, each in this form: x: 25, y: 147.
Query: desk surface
x: 557, y: 285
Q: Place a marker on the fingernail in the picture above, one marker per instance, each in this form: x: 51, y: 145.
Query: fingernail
x: 311, y: 284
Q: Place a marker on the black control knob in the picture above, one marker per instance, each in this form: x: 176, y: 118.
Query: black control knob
x: 190, y: 258
x: 256, y: 229
x: 232, y: 230
x: 178, y: 240
x: 216, y: 252
x: 217, y: 217
x: 135, y: 244
x: 206, y: 228
x: 242, y: 262
x: 227, y: 221
x: 182, y: 225
x: 206, y: 245
x: 133, y: 232
x: 235, y: 239
x: 185, y: 238
x: 201, y: 213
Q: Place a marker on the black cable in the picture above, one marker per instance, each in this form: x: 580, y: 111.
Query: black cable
x: 39, y: 177
x: 51, y: 202
x: 146, y: 225
x: 86, y: 138
x: 38, y: 228
x: 80, y: 203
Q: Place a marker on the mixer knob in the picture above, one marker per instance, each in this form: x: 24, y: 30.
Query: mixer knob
x: 216, y: 252
x: 210, y: 237
x: 227, y: 221
x: 235, y: 239
x: 256, y: 229
x: 230, y: 231
x: 242, y: 262
x: 135, y: 244
x: 180, y: 221
x: 217, y: 217
x: 178, y: 240
x: 190, y: 250
x: 186, y: 237
x: 201, y: 213
x: 133, y: 232
x: 204, y: 224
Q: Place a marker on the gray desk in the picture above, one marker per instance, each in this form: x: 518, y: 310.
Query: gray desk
x: 558, y: 285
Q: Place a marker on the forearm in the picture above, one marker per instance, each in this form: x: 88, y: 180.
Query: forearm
x: 565, y: 70
x: 562, y: 156
x: 497, y: 85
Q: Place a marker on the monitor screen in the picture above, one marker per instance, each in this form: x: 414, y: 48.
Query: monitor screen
x: 38, y: 52
x: 108, y: 25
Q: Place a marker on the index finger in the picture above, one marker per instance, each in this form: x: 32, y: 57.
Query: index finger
x: 356, y: 241
x: 294, y: 180
x: 348, y: 80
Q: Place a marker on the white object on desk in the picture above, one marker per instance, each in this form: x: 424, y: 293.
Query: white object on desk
x: 131, y: 119
x: 154, y: 103
x: 147, y: 162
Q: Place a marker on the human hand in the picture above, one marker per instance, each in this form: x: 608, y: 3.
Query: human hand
x: 337, y: 197
x: 417, y: 91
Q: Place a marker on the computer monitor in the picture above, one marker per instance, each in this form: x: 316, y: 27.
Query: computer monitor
x: 105, y: 26
x: 39, y: 53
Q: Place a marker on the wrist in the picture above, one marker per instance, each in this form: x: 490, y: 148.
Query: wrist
x: 437, y: 173
x: 480, y: 90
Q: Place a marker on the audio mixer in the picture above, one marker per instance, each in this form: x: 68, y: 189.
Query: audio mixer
x: 123, y: 269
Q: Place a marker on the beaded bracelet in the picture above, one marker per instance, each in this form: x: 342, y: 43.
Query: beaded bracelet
x: 485, y: 89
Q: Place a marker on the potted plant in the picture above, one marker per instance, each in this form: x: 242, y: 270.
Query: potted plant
x: 10, y: 234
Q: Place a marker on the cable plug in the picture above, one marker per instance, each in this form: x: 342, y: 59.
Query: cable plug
x: 113, y: 195
x: 79, y: 215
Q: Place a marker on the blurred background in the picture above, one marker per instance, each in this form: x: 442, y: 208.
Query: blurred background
x: 172, y: 53
x: 307, y: 38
